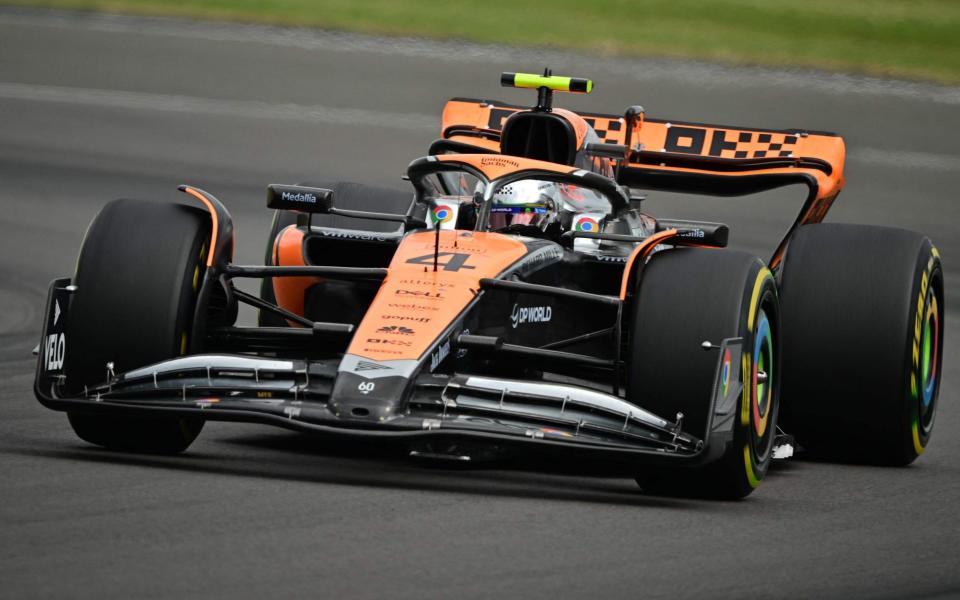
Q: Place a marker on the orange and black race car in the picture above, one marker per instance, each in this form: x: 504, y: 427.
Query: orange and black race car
x: 517, y: 301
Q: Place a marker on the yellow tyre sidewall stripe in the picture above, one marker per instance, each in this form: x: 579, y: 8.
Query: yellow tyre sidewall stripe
x: 747, y: 396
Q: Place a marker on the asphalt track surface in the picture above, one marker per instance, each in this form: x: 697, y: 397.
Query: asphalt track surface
x: 94, y: 108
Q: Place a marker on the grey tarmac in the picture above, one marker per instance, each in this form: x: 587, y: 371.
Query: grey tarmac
x: 96, y: 107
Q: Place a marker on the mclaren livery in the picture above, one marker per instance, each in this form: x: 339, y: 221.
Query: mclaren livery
x: 517, y: 301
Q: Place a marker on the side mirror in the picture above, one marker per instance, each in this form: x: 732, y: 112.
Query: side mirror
x: 699, y: 233
x: 635, y: 197
x: 299, y: 198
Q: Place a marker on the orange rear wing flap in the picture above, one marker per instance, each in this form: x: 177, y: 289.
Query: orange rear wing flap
x: 735, y: 161
x: 712, y: 159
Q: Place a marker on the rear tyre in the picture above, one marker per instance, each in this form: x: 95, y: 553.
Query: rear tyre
x: 686, y: 297
x: 863, y: 311
x: 137, y: 279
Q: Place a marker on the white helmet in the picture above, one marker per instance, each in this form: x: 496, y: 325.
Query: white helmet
x: 526, y: 202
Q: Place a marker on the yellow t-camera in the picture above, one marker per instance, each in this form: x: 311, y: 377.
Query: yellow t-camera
x: 555, y: 83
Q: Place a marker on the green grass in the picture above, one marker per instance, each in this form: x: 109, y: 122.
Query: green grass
x: 913, y: 39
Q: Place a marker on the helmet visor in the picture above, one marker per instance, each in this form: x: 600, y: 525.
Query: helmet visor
x: 535, y: 214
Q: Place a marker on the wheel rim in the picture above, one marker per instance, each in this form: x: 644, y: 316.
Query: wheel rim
x: 761, y: 392
x: 930, y: 351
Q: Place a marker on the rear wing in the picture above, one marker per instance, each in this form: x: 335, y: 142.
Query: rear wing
x: 682, y: 156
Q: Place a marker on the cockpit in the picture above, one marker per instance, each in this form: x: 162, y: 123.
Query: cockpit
x: 530, y: 202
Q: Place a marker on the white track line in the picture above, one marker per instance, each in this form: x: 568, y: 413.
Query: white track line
x: 329, y: 115
x: 252, y: 109
x: 902, y: 159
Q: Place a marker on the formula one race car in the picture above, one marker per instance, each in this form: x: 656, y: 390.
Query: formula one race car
x: 517, y: 301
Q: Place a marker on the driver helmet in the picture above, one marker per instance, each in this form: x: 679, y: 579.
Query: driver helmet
x: 526, y: 202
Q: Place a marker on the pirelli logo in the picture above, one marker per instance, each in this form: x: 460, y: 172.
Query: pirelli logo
x: 725, y: 143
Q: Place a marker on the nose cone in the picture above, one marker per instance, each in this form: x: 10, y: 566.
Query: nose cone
x: 358, y: 398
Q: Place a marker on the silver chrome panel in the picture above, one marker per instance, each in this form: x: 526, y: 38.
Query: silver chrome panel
x: 568, y: 395
x: 210, y: 361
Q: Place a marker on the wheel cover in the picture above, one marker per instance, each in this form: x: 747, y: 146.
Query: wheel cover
x: 930, y: 351
x: 761, y: 392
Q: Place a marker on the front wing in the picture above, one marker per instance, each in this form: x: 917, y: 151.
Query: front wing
x: 444, y: 411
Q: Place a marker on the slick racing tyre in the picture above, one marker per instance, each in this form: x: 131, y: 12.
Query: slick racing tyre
x: 863, y: 319
x: 137, y: 280
x: 353, y: 196
x: 685, y: 297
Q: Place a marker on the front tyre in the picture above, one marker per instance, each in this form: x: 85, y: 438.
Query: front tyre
x: 137, y: 279
x: 685, y: 297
